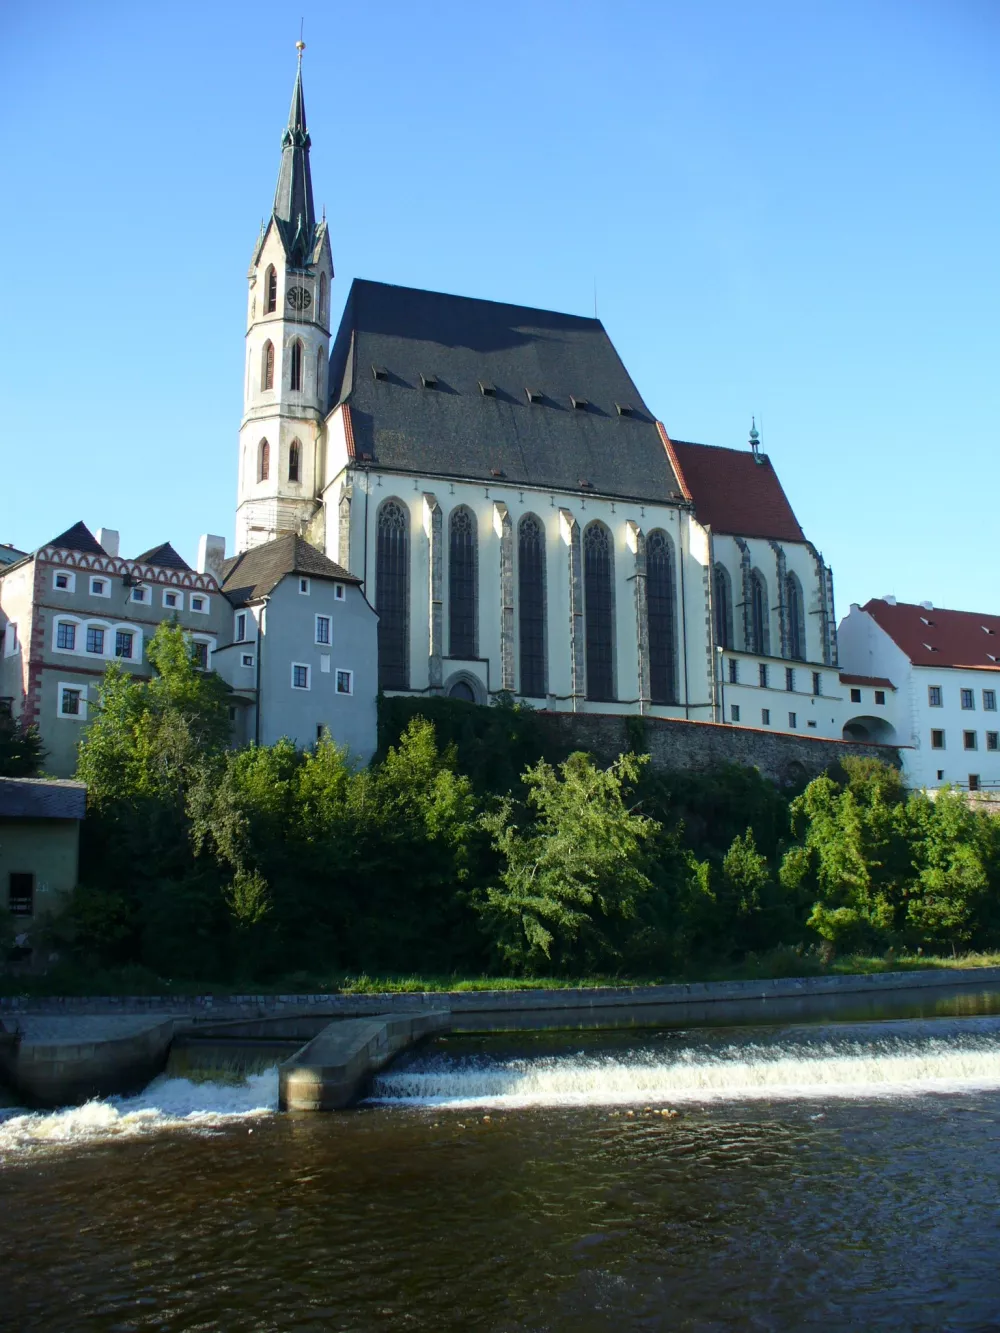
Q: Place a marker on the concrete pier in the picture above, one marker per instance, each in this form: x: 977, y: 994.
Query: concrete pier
x: 333, y: 1070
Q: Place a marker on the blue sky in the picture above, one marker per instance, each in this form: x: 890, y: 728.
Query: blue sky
x: 788, y: 209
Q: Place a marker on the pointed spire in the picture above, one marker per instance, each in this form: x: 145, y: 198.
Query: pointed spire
x: 293, y: 199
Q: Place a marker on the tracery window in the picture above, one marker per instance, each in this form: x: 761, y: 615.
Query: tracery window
x: 531, y: 605
x: 796, y: 619
x: 295, y: 382
x: 267, y: 366
x: 263, y: 461
x: 758, y: 614
x: 392, y: 594
x: 660, y: 601
x: 270, y: 290
x: 294, y: 460
x: 598, y: 606
x: 723, y: 590
x: 462, y: 583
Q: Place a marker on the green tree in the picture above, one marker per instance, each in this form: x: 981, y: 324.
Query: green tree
x: 21, y: 751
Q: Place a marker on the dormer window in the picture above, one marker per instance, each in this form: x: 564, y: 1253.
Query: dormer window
x: 579, y: 404
x: 487, y: 389
x: 624, y: 409
x: 380, y: 372
x: 429, y: 381
x: 534, y: 395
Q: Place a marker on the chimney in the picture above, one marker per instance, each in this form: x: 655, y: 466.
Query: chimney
x: 211, y: 553
x: 928, y: 606
x: 108, y: 538
x: 889, y: 599
x: 855, y: 606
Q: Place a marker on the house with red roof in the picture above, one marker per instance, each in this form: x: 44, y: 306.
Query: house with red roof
x: 945, y: 666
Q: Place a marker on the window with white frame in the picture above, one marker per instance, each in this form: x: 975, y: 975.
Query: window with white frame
x: 173, y: 600
x: 100, y: 587
x: 339, y: 592
x: 199, y: 603
x: 246, y: 659
x: 63, y: 580
x: 304, y: 587
x: 10, y: 639
x: 95, y: 640
x: 141, y: 594
x: 241, y: 627
x: 66, y: 636
x: 72, y: 701
x: 300, y: 676
x: 322, y: 629
x: 345, y: 681
x: 125, y: 643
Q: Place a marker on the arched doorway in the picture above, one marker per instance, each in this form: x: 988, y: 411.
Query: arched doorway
x: 873, y: 730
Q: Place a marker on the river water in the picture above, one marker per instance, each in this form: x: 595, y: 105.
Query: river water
x: 831, y: 1175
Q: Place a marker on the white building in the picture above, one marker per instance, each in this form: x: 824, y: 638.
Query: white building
x: 945, y: 666
x: 518, y: 517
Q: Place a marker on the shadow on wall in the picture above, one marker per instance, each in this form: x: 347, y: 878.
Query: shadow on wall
x: 875, y: 730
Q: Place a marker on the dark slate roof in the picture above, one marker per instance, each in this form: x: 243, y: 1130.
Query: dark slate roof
x: 933, y: 637
x: 294, y: 212
x: 78, y: 538
x: 735, y: 492
x: 456, y: 430
x: 42, y: 798
x: 253, y: 574
x: 163, y: 557
x: 10, y: 555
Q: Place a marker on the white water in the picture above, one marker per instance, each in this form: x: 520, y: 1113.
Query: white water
x: 889, y: 1067
x: 167, y: 1103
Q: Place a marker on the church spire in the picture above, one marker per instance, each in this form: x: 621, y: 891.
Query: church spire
x: 294, y: 212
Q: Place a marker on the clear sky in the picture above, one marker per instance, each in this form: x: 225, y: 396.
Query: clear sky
x: 788, y: 209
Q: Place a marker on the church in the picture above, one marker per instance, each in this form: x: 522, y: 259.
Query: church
x: 518, y: 517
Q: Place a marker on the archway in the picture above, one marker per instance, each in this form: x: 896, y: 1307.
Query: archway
x: 873, y: 730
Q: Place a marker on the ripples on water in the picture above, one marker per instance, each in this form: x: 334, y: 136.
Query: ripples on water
x: 550, y: 1194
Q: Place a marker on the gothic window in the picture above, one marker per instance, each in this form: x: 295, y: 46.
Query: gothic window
x: 723, y: 593
x: 660, y: 602
x: 392, y: 594
x: 462, y: 584
x: 270, y: 290
x: 294, y: 460
x: 796, y: 619
x: 758, y: 614
x: 531, y: 605
x: 319, y: 373
x: 296, y: 366
x: 263, y: 461
x: 322, y: 298
x: 267, y: 366
x: 598, y: 607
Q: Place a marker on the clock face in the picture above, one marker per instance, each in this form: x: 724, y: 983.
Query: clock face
x: 298, y: 298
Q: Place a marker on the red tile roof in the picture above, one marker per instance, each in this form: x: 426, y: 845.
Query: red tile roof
x: 934, y: 637
x: 879, y: 682
x: 734, y: 492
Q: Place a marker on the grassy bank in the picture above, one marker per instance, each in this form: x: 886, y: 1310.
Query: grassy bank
x: 777, y: 963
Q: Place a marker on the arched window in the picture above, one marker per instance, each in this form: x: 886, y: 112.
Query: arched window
x: 462, y: 583
x: 295, y: 382
x: 322, y: 298
x: 722, y: 589
x: 319, y: 374
x: 267, y: 366
x: 294, y: 461
x: 531, y: 605
x: 263, y: 461
x: 758, y: 614
x: 598, y: 606
x: 392, y: 594
x: 270, y: 290
x: 796, y: 619
x: 660, y: 602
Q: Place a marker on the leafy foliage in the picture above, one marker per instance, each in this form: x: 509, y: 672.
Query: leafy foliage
x: 21, y: 752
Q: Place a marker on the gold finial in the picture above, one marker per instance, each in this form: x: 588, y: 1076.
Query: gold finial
x: 300, y: 46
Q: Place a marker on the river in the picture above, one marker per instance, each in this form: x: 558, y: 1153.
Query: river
x: 825, y: 1175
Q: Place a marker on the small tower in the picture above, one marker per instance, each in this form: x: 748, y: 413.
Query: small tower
x: 287, y: 351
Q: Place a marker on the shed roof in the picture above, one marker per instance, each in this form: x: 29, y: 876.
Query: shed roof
x: 42, y: 798
x: 451, y: 395
x: 935, y: 637
x: 253, y: 574
x: 735, y: 492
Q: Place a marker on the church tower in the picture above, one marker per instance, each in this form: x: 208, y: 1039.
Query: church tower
x: 287, y: 351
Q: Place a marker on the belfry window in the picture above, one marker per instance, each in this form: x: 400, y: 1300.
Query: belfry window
x: 322, y: 298
x: 462, y: 583
x: 270, y: 290
x: 267, y: 366
x: 296, y: 366
x: 263, y: 461
x: 796, y: 620
x: 531, y: 605
x: 294, y: 460
x: 662, y: 619
x: 319, y: 374
x: 598, y: 605
x: 392, y: 594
